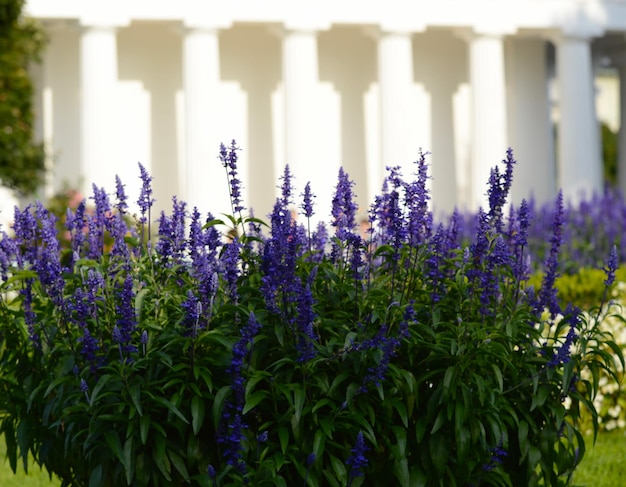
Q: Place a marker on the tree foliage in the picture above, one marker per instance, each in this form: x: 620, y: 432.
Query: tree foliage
x: 21, y: 41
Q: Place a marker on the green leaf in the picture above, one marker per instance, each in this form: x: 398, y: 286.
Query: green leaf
x: 95, y: 479
x: 135, y: 395
x: 173, y: 409
x: 327, y: 427
x: 339, y: 469
x: 401, y: 471
x: 321, y: 404
x: 129, y: 460
x: 438, y: 453
x: 439, y: 421
x: 447, y: 379
x: 298, y: 398
x: 498, y: 374
x: 179, y: 465
x: 144, y: 428
x: 212, y: 223
x: 113, y: 440
x: 283, y: 437
x: 99, y: 386
x: 253, y: 400
x: 161, y: 459
x: 540, y: 397
x: 197, y: 413
x: 401, y: 409
x: 319, y: 443
x: 218, y: 405
x: 139, y: 299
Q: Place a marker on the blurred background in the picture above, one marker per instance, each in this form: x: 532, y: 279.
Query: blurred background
x: 316, y: 85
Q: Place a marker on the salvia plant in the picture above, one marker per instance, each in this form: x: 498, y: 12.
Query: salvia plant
x: 217, y: 351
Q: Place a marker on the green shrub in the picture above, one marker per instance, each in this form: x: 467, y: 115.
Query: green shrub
x: 287, y: 357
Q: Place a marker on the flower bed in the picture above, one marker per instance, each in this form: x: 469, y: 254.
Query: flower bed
x: 223, y: 352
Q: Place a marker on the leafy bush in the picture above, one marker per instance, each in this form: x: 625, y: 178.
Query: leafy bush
x: 281, y: 356
x: 21, y: 42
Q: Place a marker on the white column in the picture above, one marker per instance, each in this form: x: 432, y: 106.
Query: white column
x: 301, y: 98
x: 579, y: 159
x: 489, y: 114
x: 205, y: 178
x: 621, y: 146
x: 300, y: 77
x: 395, y: 78
x: 98, y: 106
x: 530, y: 129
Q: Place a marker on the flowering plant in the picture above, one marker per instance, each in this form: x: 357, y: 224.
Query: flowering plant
x: 285, y: 356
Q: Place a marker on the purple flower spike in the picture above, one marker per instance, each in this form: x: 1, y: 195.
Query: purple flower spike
x: 145, y: 200
x: 307, y: 201
x: 343, y: 206
x: 548, y: 292
x: 611, y: 267
x: 357, y: 461
x: 120, y: 195
x: 286, y: 187
x: 126, y: 321
x: 228, y: 157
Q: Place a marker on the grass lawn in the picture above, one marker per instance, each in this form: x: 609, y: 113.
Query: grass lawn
x: 603, y: 466
x: 35, y: 477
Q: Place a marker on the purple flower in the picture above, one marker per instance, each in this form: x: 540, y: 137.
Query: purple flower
x: 228, y: 157
x: 478, y: 250
x: 319, y: 239
x: 120, y: 194
x: 307, y: 201
x: 562, y: 355
x: 304, y: 322
x: 230, y: 265
x: 498, y: 191
x: 231, y: 434
x: 75, y: 223
x: 125, y: 310
x: 48, y: 264
x: 279, y: 282
x: 144, y: 340
x: 30, y: 318
x: 419, y: 219
x: 7, y: 253
x: 145, y: 200
x: 434, y: 262
x: 343, y: 206
x: 356, y: 247
x: 286, y: 188
x: 388, y: 345
x: 172, y: 244
x: 192, y: 309
x: 89, y: 348
x: 498, y: 454
x: 611, y: 267
x: 97, y: 222
x: 357, y: 461
x: 548, y: 293
x: 25, y: 229
x: 497, y: 258
x: 520, y: 241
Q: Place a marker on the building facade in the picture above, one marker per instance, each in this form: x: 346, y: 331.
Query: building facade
x: 318, y: 85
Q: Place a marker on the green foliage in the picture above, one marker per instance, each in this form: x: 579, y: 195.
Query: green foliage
x: 21, y: 41
x: 585, y: 288
x: 609, y: 154
x: 437, y: 374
